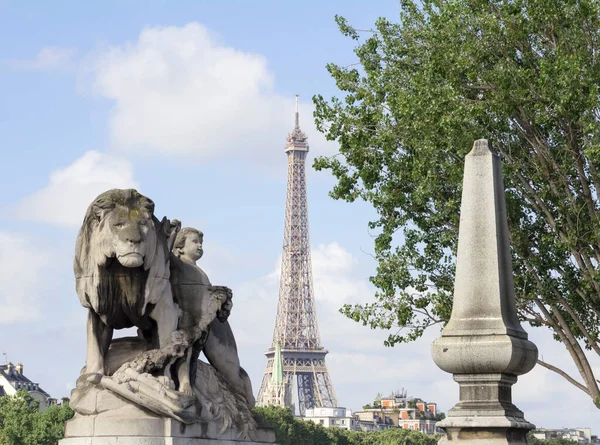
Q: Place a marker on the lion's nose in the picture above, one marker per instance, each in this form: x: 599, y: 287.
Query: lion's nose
x: 133, y: 235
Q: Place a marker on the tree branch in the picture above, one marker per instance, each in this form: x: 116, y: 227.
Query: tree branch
x: 565, y: 375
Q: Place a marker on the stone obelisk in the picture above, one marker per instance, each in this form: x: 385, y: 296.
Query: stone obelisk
x: 483, y: 345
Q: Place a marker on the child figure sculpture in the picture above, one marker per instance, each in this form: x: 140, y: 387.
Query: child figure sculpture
x: 218, y: 342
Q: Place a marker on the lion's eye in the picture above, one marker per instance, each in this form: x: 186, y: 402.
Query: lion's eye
x: 119, y: 225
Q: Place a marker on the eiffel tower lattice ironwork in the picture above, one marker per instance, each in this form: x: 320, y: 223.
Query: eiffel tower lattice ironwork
x: 296, y: 329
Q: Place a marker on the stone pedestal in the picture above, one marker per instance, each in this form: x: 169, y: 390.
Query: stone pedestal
x: 150, y: 440
x: 120, y: 428
x: 485, y: 414
x: 483, y: 345
x: 108, y: 419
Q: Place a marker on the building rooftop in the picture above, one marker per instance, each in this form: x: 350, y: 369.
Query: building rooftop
x: 14, y: 376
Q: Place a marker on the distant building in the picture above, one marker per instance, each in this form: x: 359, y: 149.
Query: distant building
x: 579, y: 435
x: 370, y: 425
x: 12, y: 380
x: 407, y: 418
x: 331, y: 417
x: 400, y: 411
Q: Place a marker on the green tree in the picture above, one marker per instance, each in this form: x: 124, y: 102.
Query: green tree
x: 288, y: 429
x: 531, y: 440
x: 439, y: 416
x: 293, y: 431
x: 377, y: 401
x: 22, y: 423
x: 524, y: 74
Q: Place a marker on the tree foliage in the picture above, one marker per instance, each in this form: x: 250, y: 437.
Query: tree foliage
x: 293, y: 431
x: 524, y: 74
x: 531, y: 440
x: 377, y: 401
x: 22, y: 423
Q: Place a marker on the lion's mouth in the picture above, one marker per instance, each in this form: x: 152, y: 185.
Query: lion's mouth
x: 131, y: 259
x: 130, y: 254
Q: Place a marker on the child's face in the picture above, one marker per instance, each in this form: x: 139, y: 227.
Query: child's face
x: 192, y: 249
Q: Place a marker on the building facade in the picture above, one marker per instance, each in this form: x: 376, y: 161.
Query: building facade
x: 400, y: 411
x: 579, y: 435
x: 12, y: 380
x: 331, y: 417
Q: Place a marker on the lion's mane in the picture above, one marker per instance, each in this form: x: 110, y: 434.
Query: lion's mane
x: 121, y: 296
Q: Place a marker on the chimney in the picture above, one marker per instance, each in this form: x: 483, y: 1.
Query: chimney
x: 432, y: 408
x: 65, y: 401
x: 10, y: 368
x: 20, y: 368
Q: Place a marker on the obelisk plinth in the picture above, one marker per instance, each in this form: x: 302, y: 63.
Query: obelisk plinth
x: 483, y: 345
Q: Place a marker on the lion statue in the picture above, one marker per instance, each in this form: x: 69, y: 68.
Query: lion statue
x: 122, y: 273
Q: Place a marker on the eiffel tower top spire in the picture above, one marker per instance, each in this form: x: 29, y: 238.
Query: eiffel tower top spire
x: 297, y: 139
x: 297, y: 121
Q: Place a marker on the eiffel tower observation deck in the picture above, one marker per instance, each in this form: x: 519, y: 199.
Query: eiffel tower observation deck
x: 296, y: 338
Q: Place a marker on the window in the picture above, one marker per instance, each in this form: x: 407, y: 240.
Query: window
x: 321, y: 421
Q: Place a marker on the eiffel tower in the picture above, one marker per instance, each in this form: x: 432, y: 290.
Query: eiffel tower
x: 296, y: 337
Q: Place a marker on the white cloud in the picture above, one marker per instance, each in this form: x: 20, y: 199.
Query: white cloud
x: 71, y: 189
x: 179, y: 91
x: 22, y: 263
x: 335, y: 282
x: 48, y: 58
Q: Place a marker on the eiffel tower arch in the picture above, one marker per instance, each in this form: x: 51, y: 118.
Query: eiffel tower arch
x: 296, y: 333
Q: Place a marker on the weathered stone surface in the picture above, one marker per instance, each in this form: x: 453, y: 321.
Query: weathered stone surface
x: 118, y: 440
x: 85, y: 397
x: 483, y: 290
x: 123, y: 350
x: 483, y: 344
x: 107, y: 401
x: 216, y: 403
x: 135, y: 429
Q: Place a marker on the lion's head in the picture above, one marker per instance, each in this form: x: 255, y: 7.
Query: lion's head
x: 119, y: 226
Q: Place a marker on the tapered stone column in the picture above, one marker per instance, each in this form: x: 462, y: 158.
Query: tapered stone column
x: 483, y: 345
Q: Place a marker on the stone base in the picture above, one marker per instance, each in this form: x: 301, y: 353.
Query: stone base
x: 120, y: 440
x: 133, y: 426
x: 485, y: 414
x: 499, y: 430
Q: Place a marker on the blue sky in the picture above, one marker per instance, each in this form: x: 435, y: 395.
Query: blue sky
x: 190, y: 102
